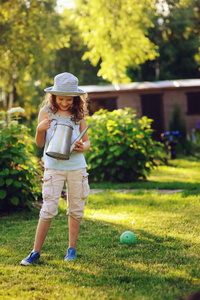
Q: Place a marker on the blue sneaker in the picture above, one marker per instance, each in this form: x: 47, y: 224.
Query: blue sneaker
x: 71, y: 254
x: 29, y: 260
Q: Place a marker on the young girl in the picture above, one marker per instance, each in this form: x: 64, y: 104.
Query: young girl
x: 66, y: 104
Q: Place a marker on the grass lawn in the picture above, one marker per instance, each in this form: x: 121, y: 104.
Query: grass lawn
x: 163, y: 264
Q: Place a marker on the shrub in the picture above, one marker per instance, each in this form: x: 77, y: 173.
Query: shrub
x: 19, y: 183
x: 178, y: 122
x: 121, y: 146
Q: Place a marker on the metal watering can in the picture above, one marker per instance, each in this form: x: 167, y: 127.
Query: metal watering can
x: 60, y: 146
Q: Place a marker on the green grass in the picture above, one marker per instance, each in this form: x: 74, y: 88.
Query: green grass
x: 163, y: 264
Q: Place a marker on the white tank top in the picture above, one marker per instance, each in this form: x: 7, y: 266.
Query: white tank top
x: 76, y: 160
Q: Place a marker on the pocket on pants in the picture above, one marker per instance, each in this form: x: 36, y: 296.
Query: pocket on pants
x: 85, y: 186
x: 47, y: 189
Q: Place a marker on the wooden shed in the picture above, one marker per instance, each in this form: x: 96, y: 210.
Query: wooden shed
x: 153, y: 99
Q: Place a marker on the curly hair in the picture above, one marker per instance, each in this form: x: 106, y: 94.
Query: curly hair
x: 78, y: 110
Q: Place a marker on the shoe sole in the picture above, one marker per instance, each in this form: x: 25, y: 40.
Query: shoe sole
x: 25, y: 263
x: 67, y: 259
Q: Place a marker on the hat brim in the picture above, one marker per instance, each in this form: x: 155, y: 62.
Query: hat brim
x: 59, y: 93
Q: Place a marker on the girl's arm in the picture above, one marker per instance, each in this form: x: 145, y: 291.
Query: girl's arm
x: 83, y: 145
x: 43, y: 125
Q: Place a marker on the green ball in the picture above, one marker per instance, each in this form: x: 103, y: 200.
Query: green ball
x: 128, y: 237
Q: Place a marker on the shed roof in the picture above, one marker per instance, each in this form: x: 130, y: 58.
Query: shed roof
x: 142, y: 85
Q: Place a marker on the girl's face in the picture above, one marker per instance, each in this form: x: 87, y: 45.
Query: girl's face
x: 64, y: 103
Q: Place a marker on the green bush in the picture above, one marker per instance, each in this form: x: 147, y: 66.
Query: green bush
x: 178, y: 122
x: 193, y: 144
x: 121, y: 146
x: 19, y: 180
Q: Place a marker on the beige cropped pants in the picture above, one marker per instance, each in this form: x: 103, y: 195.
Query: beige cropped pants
x: 77, y: 192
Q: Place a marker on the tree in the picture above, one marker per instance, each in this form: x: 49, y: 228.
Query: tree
x: 115, y: 33
x: 30, y: 35
x: 70, y: 58
x: 195, y: 30
x: 176, y: 35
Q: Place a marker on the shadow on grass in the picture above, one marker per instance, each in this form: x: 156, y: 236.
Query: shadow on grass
x: 156, y: 267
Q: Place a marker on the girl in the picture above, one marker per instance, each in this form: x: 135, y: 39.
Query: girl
x: 64, y: 103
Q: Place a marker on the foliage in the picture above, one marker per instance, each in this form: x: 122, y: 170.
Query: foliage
x: 30, y: 36
x: 121, y: 146
x: 115, y: 33
x: 176, y: 34
x: 70, y: 58
x: 19, y: 183
x: 179, y: 43
x: 194, y: 28
x: 120, y: 37
x: 194, y: 143
x: 177, y: 122
x: 37, y: 43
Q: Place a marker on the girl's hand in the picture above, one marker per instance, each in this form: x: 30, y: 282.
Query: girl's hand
x: 44, y: 125
x: 80, y: 146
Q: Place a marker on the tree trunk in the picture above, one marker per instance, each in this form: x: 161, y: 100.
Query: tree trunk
x: 4, y: 99
x: 11, y: 94
x: 157, y: 70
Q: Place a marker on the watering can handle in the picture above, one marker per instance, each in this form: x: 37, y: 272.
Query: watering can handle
x: 55, y: 120
x: 63, y: 122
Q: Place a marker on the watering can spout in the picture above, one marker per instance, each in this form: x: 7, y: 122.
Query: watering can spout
x: 78, y: 139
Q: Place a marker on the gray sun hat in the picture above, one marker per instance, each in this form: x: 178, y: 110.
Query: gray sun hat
x: 65, y: 84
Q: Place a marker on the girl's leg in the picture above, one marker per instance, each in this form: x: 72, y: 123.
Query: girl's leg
x: 41, y: 233
x: 52, y: 187
x: 73, y: 232
x: 75, y: 204
x: 77, y: 192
